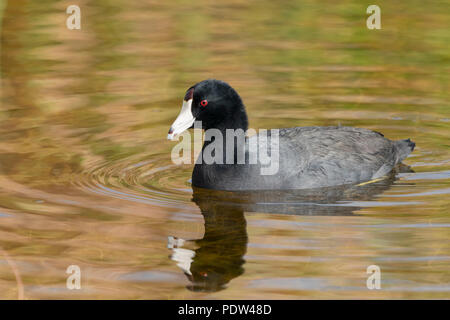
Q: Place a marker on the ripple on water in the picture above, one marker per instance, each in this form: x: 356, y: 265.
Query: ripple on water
x: 155, y: 182
x: 149, y: 181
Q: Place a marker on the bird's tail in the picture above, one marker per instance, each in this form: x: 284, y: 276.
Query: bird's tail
x: 404, y: 148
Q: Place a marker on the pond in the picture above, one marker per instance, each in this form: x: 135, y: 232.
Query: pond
x: 87, y: 180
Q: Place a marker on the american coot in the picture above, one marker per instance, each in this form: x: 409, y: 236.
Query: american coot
x: 308, y: 157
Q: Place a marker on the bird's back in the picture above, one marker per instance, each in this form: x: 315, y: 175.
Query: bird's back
x: 311, y: 157
x: 334, y: 155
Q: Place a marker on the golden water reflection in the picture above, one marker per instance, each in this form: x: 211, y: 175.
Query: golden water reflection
x: 86, y: 177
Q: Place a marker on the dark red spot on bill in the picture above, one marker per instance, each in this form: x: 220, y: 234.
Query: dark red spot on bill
x: 189, y: 94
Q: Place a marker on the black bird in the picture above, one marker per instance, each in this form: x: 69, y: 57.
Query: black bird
x: 300, y: 157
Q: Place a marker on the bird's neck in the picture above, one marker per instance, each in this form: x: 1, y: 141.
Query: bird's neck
x: 237, y: 120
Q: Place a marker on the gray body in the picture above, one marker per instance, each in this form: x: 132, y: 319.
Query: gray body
x: 311, y: 157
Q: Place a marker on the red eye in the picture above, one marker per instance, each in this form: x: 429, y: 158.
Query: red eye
x: 204, y: 103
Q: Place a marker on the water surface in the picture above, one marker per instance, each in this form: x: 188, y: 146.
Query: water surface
x: 85, y: 171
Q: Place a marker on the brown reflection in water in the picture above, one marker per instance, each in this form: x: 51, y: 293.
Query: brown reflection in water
x: 17, y: 93
x: 81, y: 110
x: 219, y: 257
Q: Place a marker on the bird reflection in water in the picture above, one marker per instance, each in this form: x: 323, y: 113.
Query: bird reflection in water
x: 219, y: 256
